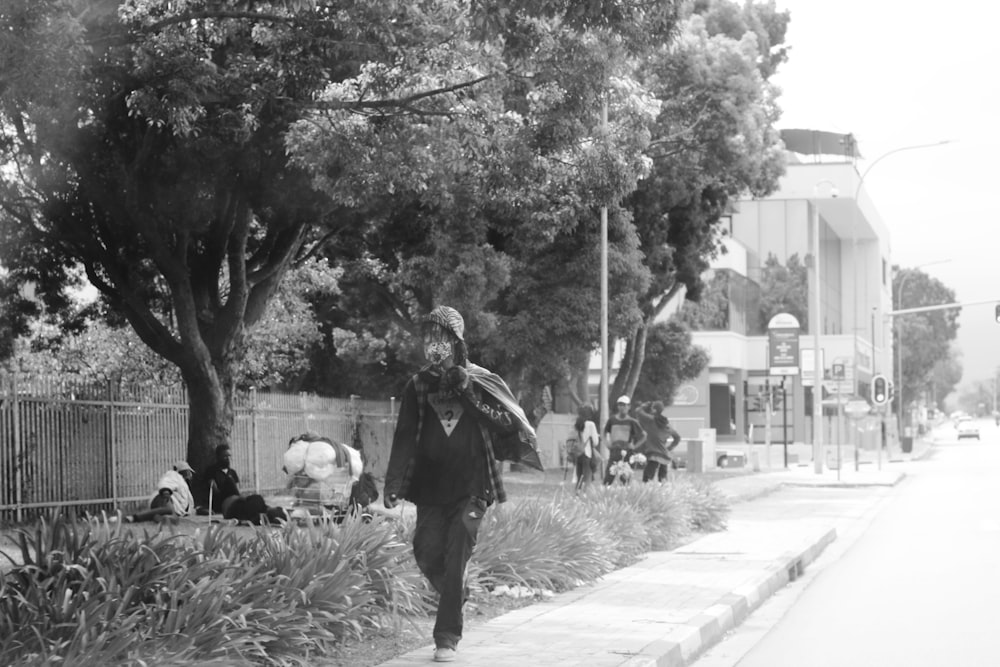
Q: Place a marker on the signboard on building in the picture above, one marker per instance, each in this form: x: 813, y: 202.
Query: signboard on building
x: 783, y: 345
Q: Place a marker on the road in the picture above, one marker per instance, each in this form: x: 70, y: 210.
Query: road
x: 918, y: 586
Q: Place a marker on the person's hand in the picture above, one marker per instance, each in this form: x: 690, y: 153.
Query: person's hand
x: 455, y: 381
x: 390, y: 500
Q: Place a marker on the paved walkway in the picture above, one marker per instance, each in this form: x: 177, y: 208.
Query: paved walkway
x: 671, y: 606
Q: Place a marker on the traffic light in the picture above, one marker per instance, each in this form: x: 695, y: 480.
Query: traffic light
x: 880, y: 390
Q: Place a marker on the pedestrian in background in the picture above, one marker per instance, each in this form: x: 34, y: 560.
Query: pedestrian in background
x: 588, y: 455
x: 450, y: 434
x: 624, y: 434
x: 661, y: 439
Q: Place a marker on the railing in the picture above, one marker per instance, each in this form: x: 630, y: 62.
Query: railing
x: 65, y: 444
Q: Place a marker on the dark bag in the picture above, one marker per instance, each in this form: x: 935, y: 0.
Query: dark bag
x: 574, y: 447
x: 364, y: 491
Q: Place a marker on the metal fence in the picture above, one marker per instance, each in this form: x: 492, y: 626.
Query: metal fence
x: 92, y: 448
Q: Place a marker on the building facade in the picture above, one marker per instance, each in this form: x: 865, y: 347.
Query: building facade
x: 740, y: 395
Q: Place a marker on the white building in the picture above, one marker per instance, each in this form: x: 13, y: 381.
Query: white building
x: 855, y: 292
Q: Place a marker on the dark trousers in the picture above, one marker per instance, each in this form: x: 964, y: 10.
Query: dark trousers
x: 654, y: 469
x: 442, y: 545
x: 584, y: 471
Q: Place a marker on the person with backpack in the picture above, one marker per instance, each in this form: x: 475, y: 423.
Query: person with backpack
x: 587, y: 450
x: 456, y: 422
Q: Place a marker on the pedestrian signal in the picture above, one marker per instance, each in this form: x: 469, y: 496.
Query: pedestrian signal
x: 880, y: 390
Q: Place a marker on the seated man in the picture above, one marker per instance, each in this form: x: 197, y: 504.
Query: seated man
x: 173, y: 496
x: 225, y: 497
x: 223, y: 481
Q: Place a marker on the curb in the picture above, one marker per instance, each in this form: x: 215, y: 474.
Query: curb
x: 709, y: 627
x: 849, y: 485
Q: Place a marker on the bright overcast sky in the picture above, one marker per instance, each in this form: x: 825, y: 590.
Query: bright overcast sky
x: 897, y: 73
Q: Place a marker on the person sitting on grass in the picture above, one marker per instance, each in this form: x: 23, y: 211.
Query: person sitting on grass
x: 226, y: 499
x: 173, y: 496
x: 223, y: 481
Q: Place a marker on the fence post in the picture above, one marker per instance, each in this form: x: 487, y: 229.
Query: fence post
x: 19, y: 450
x: 254, y: 445
x: 113, y: 440
x: 305, y: 413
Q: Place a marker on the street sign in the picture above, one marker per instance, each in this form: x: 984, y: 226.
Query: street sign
x: 857, y: 408
x: 783, y: 345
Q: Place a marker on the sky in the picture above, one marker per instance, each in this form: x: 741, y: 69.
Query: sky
x: 900, y: 73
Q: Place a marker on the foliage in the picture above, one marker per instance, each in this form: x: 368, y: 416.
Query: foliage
x: 671, y: 360
x: 784, y: 289
x: 554, y: 546
x: 713, y: 140
x: 925, y: 337
x: 96, y: 592
x: 945, y: 376
x: 100, y: 593
x: 100, y: 352
x: 187, y: 155
x: 711, y: 312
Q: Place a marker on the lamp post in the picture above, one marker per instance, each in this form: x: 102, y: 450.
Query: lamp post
x: 604, y: 401
x: 817, y: 323
x: 899, y: 340
x: 854, y: 257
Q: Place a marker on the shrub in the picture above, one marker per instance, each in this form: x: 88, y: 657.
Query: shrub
x: 99, y: 594
x: 540, y: 545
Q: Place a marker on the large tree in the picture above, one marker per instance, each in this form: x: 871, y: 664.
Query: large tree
x: 496, y: 209
x: 926, y: 337
x: 503, y: 220
x: 714, y: 140
x: 151, y: 143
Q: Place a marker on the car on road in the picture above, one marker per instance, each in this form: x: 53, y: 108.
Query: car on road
x: 968, y: 429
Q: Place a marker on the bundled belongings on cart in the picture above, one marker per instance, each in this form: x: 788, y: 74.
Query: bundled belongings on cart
x: 326, y: 479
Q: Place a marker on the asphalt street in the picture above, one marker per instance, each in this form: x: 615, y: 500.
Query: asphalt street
x: 917, y: 587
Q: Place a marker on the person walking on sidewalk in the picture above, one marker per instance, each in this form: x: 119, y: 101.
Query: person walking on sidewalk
x: 588, y: 457
x: 624, y: 434
x: 456, y: 420
x: 658, y: 432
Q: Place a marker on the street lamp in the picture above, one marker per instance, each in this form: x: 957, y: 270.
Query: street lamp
x: 899, y: 339
x: 854, y: 250
x: 817, y: 319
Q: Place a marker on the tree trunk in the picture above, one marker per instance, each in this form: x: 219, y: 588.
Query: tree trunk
x: 210, y: 415
x: 635, y: 356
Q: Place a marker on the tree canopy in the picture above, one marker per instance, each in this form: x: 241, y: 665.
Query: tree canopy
x: 925, y: 337
x: 188, y: 155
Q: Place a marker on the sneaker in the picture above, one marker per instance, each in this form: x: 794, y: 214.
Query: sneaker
x: 442, y: 654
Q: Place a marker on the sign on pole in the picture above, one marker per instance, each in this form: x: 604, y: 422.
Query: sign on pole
x: 783, y: 345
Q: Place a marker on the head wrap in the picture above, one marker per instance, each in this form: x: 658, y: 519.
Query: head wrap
x: 450, y: 319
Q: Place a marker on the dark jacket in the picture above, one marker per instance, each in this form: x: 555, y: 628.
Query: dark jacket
x: 442, y: 448
x: 658, y: 433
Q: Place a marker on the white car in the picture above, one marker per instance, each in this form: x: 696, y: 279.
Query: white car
x: 968, y: 429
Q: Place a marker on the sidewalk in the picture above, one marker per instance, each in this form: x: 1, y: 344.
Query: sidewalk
x: 671, y: 606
